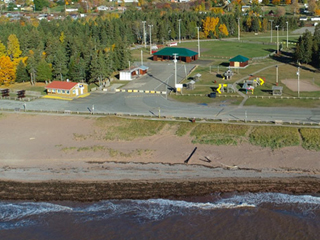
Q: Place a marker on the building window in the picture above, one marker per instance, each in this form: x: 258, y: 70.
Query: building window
x: 48, y: 90
x: 74, y: 91
x: 68, y: 91
x: 59, y: 91
x: 63, y: 91
x: 53, y: 90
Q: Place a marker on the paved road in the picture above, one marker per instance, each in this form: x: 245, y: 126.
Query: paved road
x: 138, y: 103
x: 160, y: 76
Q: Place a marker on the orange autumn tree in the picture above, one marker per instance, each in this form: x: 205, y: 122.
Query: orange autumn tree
x: 7, y: 71
x: 209, y: 25
x: 223, y: 29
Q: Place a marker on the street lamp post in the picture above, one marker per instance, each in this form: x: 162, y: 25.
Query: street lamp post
x: 271, y: 30
x: 198, y: 41
x: 287, y: 32
x: 239, y: 29
x: 277, y: 38
x: 144, y: 34
x: 179, y: 31
x: 150, y: 26
x: 298, y: 73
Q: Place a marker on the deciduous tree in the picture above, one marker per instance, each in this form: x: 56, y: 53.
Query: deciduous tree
x: 13, y: 47
x: 7, y: 71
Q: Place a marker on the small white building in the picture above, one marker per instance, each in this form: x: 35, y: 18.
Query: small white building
x: 132, y: 72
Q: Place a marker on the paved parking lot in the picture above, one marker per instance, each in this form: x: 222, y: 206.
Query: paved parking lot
x: 160, y: 76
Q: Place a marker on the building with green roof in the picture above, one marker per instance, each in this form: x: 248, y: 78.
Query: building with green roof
x: 239, y: 61
x: 183, y: 54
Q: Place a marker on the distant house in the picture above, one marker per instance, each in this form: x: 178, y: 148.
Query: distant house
x: 183, y: 54
x: 132, y: 72
x: 66, y: 89
x: 102, y: 8
x: 239, y: 62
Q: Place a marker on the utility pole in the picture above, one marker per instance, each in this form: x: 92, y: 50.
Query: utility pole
x: 175, y: 70
x: 144, y: 34
x: 277, y: 39
x: 239, y: 29
x: 287, y: 32
x: 298, y: 73
x: 150, y: 26
x: 179, y: 31
x: 271, y: 29
x: 141, y: 58
x: 198, y: 41
x: 277, y: 75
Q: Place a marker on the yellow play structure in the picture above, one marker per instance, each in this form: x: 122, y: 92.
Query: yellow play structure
x: 225, y: 87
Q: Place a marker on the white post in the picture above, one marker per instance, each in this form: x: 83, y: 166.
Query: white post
x: 298, y: 73
x: 239, y: 29
x: 271, y: 30
x: 144, y: 34
x: 179, y: 31
x: 287, y: 32
x: 150, y: 26
x: 141, y: 58
x: 198, y: 41
x: 175, y: 69
x: 277, y: 38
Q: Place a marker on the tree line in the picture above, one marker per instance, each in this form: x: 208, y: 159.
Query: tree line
x: 91, y: 49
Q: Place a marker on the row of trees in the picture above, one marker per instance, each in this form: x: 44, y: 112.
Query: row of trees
x: 92, y: 48
x: 308, y: 48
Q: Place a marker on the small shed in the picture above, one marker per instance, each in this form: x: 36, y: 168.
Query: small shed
x: 228, y: 74
x: 239, y: 62
x: 183, y: 54
x: 66, y: 89
x: 277, y: 90
x: 132, y: 72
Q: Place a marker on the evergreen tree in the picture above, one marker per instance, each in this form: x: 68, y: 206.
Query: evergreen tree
x: 21, y: 73
x: 60, y: 64
x: 44, y: 71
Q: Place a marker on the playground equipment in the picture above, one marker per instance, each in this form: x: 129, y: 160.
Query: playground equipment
x: 225, y: 87
x: 256, y: 81
x: 227, y: 74
x: 252, y: 83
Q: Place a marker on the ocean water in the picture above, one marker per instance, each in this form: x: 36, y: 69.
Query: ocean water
x: 216, y: 216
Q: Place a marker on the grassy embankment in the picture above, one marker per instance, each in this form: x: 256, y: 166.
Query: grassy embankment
x: 274, y: 137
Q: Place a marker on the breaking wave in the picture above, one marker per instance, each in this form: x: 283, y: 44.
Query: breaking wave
x: 20, y: 214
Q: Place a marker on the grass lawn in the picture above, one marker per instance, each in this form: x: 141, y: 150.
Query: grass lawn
x: 38, y: 87
x: 227, y: 49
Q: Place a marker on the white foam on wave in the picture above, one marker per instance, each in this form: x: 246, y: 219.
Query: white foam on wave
x: 274, y: 198
x: 15, y: 211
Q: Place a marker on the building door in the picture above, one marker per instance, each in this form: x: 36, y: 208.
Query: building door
x: 77, y: 91
x: 236, y: 64
x: 81, y: 90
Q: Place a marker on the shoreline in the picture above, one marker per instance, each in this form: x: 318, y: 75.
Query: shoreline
x: 96, y: 191
x: 68, y: 158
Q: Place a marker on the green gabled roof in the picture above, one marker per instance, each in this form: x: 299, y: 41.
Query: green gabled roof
x: 181, y: 52
x: 239, y: 58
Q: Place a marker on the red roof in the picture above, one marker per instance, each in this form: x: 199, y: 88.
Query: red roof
x: 61, y: 85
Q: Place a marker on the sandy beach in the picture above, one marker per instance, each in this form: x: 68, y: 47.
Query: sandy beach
x: 57, y: 158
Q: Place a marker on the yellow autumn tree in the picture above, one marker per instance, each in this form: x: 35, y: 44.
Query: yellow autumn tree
x: 13, y: 47
x: 3, y: 51
x: 288, y: 2
x: 223, y: 29
x: 7, y: 71
x: 62, y: 37
x: 209, y: 25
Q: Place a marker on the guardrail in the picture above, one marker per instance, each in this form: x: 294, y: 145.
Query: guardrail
x: 174, y: 118
x: 141, y: 91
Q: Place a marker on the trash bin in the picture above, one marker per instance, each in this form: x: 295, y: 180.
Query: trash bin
x: 212, y: 95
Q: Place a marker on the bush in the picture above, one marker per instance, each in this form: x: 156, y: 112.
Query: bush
x: 274, y: 137
x: 310, y: 138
